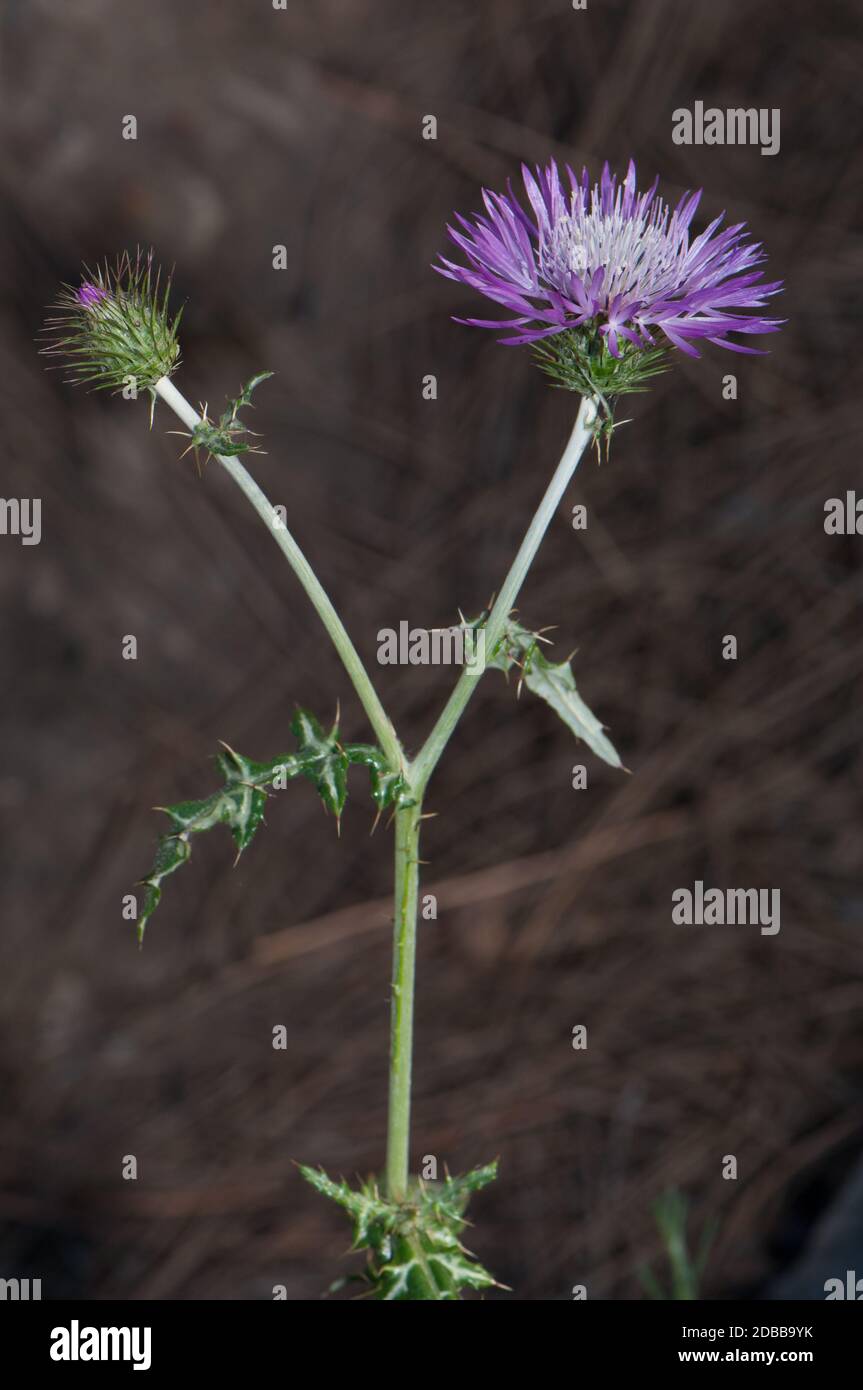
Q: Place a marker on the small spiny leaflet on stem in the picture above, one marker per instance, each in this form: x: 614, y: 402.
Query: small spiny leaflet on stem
x: 519, y: 648
x: 229, y: 436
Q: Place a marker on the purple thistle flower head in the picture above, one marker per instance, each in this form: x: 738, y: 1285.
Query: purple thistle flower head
x: 89, y: 295
x: 610, y: 276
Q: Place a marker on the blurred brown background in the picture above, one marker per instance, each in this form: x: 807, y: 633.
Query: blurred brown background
x: 259, y: 127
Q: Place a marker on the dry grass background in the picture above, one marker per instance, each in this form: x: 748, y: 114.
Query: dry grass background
x: 302, y: 128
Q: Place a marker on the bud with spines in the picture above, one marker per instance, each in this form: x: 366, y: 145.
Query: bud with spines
x: 115, y: 328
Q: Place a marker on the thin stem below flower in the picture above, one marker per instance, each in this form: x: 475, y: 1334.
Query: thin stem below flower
x: 351, y: 660
x: 427, y: 759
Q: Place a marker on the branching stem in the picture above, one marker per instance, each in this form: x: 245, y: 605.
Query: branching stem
x: 417, y: 774
x: 582, y: 433
x: 351, y: 661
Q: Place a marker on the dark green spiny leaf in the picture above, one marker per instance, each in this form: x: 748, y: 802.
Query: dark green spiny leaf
x: 241, y: 802
x: 414, y: 1247
x: 388, y: 788
x: 229, y: 436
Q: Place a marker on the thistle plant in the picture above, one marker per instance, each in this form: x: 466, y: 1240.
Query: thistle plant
x: 605, y: 284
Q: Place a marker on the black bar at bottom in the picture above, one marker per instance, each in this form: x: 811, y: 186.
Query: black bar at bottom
x: 82, y: 1339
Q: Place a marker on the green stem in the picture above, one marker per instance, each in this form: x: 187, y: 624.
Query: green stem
x: 582, y: 433
x: 408, y: 819
x: 362, y: 684
x: 402, y: 1004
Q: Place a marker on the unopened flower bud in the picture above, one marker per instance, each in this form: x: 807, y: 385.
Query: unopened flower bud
x: 115, y: 327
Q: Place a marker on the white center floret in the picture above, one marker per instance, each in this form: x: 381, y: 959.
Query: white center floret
x: 643, y: 257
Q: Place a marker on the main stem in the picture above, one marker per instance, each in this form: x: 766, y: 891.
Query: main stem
x: 366, y: 692
x: 437, y: 740
x: 408, y: 819
x: 402, y: 1004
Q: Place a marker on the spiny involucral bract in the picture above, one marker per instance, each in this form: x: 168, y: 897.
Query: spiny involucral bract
x: 114, y: 330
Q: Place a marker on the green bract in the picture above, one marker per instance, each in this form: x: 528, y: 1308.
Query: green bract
x: 579, y: 360
x: 115, y: 330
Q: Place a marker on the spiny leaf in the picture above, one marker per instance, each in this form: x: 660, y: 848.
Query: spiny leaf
x: 323, y: 760
x: 387, y: 787
x: 228, y: 436
x: 365, y: 1207
x: 414, y: 1247
x: 241, y: 801
x: 554, y: 683
x: 455, y: 1193
x: 422, y: 1269
x: 245, y: 396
